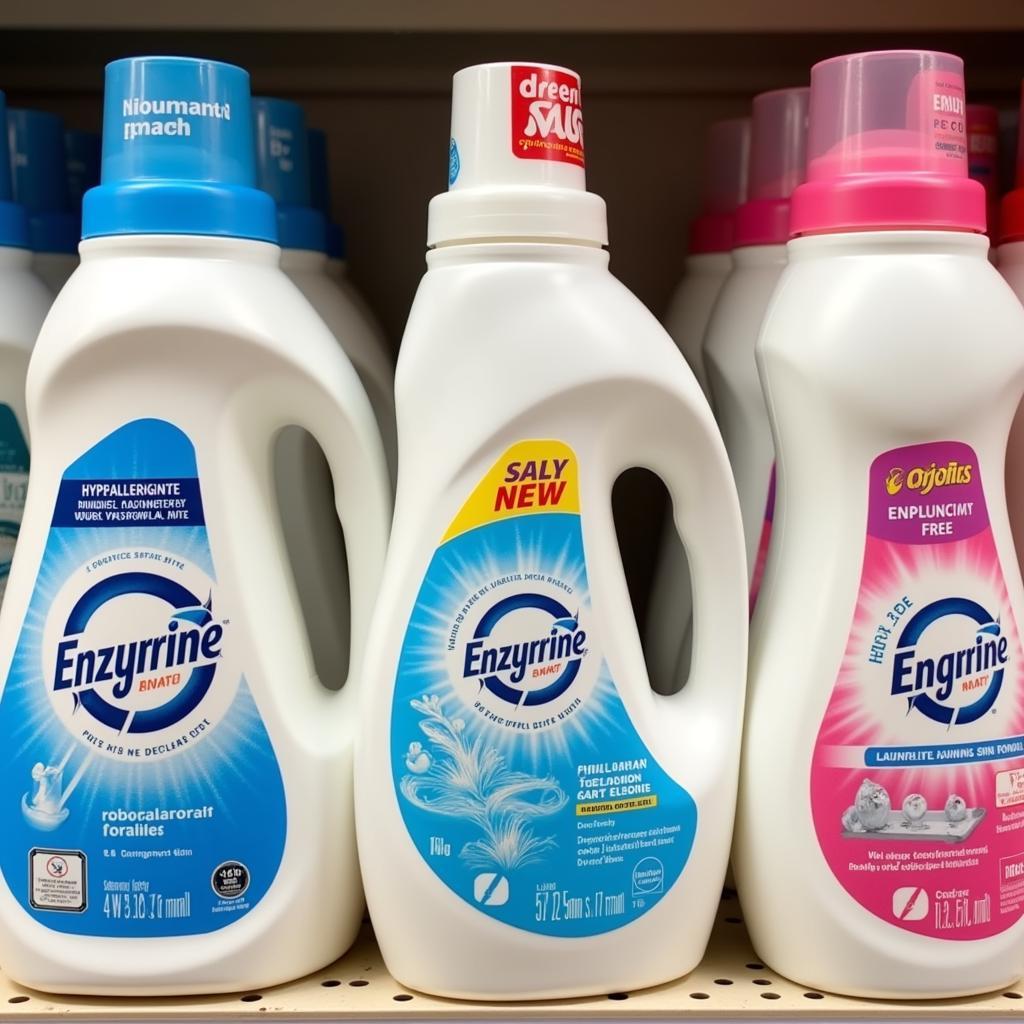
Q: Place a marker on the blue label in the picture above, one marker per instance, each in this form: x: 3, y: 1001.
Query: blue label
x: 520, y: 776
x: 135, y: 750
x: 454, y: 163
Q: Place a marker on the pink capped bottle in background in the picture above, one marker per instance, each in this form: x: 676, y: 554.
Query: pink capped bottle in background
x: 708, y: 264
x: 983, y: 159
x: 880, y: 834
x: 778, y: 163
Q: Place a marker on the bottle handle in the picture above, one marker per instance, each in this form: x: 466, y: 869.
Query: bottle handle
x: 336, y: 413
x: 680, y: 442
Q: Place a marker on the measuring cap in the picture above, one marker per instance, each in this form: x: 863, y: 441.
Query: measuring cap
x: 13, y: 218
x: 778, y: 163
x: 178, y: 153
x: 320, y: 191
x: 887, y: 146
x: 516, y: 162
x: 282, y: 171
x: 726, y: 162
x: 39, y: 180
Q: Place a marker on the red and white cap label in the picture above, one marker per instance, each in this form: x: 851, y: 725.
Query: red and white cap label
x: 547, y: 115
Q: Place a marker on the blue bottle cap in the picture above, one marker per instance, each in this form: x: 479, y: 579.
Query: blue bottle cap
x: 82, y: 162
x: 36, y: 139
x: 337, y: 243
x: 177, y: 153
x: 320, y: 191
x: 13, y: 219
x: 282, y: 169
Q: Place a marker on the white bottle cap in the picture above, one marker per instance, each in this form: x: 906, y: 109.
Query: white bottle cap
x: 516, y: 159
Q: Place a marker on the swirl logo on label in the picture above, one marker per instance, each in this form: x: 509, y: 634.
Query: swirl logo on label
x: 552, y: 660
x: 133, y: 658
x: 950, y: 660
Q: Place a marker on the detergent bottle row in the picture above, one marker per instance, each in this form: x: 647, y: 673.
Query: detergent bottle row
x: 180, y: 775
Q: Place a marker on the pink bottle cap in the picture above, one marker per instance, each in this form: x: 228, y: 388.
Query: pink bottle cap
x: 983, y: 156
x: 887, y: 146
x: 725, y: 185
x: 778, y: 163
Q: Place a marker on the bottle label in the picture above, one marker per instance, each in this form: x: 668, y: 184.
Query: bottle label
x: 761, y: 558
x: 917, y: 778
x: 140, y: 791
x: 547, y: 116
x: 521, y: 779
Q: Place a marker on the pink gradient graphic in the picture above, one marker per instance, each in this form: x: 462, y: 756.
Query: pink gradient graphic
x: 967, y: 869
x: 761, y: 558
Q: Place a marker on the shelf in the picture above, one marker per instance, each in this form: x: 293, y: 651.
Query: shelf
x: 729, y: 984
x: 524, y: 15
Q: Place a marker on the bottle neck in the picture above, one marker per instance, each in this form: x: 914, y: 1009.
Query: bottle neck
x: 518, y: 251
x: 759, y: 255
x: 303, y: 260
x: 873, y: 243
x: 15, y: 258
x: 199, y: 247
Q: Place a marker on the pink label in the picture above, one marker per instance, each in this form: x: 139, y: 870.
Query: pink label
x: 761, y: 558
x: 917, y: 777
x: 547, y: 118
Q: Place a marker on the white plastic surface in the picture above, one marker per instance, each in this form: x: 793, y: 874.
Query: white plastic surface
x: 242, y: 358
x: 614, y: 389
x: 668, y: 618
x: 54, y: 268
x: 735, y: 386
x: 873, y: 340
x: 1010, y: 260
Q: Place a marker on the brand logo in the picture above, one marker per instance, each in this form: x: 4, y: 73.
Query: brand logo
x: 547, y: 117
x: 530, y: 671
x: 924, y: 479
x: 942, y: 103
x: 959, y: 685
x: 116, y: 683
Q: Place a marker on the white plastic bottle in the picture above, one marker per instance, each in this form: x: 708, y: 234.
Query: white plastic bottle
x: 174, y: 776
x: 534, y: 822
x: 778, y: 160
x: 667, y: 633
x: 880, y: 834
x: 337, y: 242
x: 24, y: 301
x: 39, y: 178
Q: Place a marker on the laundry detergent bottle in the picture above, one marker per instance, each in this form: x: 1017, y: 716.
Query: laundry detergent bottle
x: 82, y: 171
x: 173, y: 775
x: 24, y: 301
x: 778, y: 163
x: 667, y: 633
x: 39, y: 171
x: 337, y: 240
x: 880, y: 830
x: 983, y: 161
x: 282, y: 165
x: 534, y: 821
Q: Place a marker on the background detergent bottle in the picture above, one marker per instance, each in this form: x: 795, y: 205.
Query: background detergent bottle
x: 879, y: 824
x: 82, y: 168
x: 316, y: 546
x: 667, y: 633
x: 337, y: 242
x: 1010, y: 260
x: 179, y: 774
x: 983, y: 161
x: 282, y: 164
x: 24, y: 301
x: 509, y: 725
x: 39, y: 171
x: 778, y: 163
